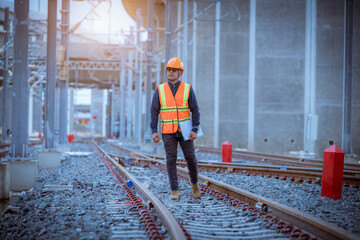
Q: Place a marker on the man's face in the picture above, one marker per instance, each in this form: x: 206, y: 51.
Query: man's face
x: 173, y: 73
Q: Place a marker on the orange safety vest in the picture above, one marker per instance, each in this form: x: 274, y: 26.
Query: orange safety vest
x: 173, y: 110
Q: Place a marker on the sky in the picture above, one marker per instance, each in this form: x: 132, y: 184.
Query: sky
x: 79, y: 9
x: 99, y: 25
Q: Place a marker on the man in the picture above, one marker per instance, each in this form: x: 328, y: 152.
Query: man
x: 174, y: 100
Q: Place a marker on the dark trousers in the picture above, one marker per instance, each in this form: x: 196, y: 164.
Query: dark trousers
x: 170, y: 143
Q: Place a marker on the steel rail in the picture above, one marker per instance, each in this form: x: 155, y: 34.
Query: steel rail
x: 303, y: 174
x: 311, y: 224
x: 169, y: 221
x: 276, y: 159
x: 279, y: 172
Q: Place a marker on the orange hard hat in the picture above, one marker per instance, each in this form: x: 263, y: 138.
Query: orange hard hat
x: 175, y: 63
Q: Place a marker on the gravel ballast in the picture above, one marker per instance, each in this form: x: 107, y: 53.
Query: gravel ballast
x: 305, y: 197
x: 84, y: 209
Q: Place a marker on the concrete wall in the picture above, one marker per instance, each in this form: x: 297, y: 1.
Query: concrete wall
x: 356, y: 81
x: 205, y: 75
x: 330, y: 54
x: 279, y: 74
x: 234, y: 74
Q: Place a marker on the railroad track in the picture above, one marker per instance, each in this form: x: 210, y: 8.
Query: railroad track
x: 277, y: 160
x: 236, y: 202
x: 295, y: 174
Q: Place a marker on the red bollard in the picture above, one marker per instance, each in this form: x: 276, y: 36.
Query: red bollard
x: 111, y: 136
x: 39, y: 135
x: 332, y: 174
x: 227, y: 152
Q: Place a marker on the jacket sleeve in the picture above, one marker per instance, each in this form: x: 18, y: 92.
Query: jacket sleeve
x: 154, y: 111
x: 194, y: 109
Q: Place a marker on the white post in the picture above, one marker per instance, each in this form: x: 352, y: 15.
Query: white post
x: 178, y: 25
x: 185, y: 40
x: 122, y: 102
x: 31, y: 111
x: 129, y: 109
x: 112, y: 112
x: 103, y: 122
x: 252, y: 61
x: 194, y: 48
x: 217, y: 75
x: 310, y: 117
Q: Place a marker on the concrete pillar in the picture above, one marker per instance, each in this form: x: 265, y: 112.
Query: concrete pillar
x: 310, y: 117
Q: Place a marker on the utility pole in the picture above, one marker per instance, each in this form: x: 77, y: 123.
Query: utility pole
x: 64, y: 71
x: 122, y: 95
x: 150, y: 23
x: 20, y: 84
x: 129, y: 97
x: 5, y: 76
x: 167, y: 33
x: 50, y: 76
x: 194, y: 48
x: 138, y: 79
x: 185, y: 40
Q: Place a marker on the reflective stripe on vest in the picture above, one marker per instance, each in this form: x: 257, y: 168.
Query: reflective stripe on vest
x: 173, y: 110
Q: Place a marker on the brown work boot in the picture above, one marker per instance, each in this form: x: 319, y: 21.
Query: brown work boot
x: 195, y: 190
x: 175, y: 195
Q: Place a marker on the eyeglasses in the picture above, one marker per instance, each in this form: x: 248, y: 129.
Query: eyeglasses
x: 172, y: 69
